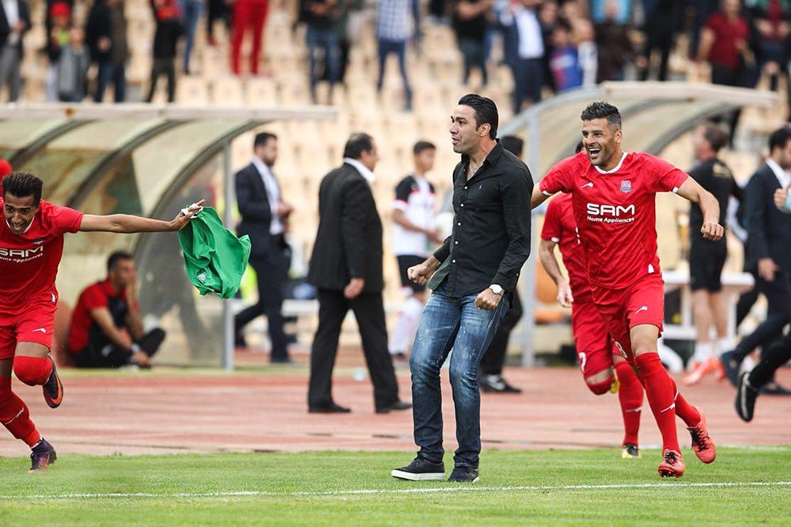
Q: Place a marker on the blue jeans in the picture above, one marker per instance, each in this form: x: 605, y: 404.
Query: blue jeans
x: 451, y: 323
x: 190, y: 15
x: 323, y: 45
x: 398, y: 48
x: 111, y: 72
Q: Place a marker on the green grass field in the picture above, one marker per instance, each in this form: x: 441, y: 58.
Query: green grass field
x: 742, y: 487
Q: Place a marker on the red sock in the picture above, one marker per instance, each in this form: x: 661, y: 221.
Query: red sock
x: 15, y: 416
x: 688, y: 413
x: 33, y: 371
x: 630, y: 395
x: 660, y: 390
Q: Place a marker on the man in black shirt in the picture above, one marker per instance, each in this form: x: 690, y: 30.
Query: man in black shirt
x: 472, y: 275
x: 707, y: 257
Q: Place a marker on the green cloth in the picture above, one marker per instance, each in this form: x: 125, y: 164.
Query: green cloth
x: 214, y: 257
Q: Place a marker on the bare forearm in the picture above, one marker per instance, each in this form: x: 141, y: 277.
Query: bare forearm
x: 127, y: 223
x: 546, y: 253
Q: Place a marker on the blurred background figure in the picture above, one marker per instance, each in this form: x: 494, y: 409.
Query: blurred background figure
x: 249, y: 16
x: 14, y: 23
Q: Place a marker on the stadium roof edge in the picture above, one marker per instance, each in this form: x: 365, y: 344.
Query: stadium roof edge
x: 88, y: 111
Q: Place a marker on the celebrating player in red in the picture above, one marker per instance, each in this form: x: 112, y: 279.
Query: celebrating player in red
x: 613, y: 199
x: 600, y: 360
x: 31, y: 246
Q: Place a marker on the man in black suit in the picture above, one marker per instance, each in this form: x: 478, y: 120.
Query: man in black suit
x: 263, y: 219
x: 768, y: 250
x: 346, y: 267
x: 14, y: 23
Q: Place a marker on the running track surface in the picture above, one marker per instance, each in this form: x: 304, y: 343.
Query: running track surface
x: 263, y: 408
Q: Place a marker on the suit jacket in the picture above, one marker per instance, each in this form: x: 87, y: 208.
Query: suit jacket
x: 5, y: 29
x: 349, y: 240
x: 769, y: 229
x: 254, y: 207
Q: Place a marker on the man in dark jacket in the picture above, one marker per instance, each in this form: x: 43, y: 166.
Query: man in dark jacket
x: 105, y: 34
x: 263, y: 219
x: 14, y: 23
x: 346, y: 267
x: 768, y: 249
x: 166, y: 37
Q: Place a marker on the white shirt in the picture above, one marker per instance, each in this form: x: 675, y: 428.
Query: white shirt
x: 418, y: 208
x: 11, y: 8
x: 531, y: 41
x: 272, y: 192
x: 362, y: 169
x: 782, y: 176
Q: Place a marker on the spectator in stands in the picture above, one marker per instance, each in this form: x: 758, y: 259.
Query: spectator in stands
x: 491, y: 369
x: 613, y: 45
x: 321, y: 18
x: 707, y: 257
x: 59, y: 24
x: 395, y: 25
x: 525, y: 51
x: 768, y: 250
x: 106, y: 326
x: 724, y: 44
x: 343, y: 31
x: 564, y: 61
x: 105, y: 34
x: 73, y: 67
x: 166, y: 37
x: 346, y: 267
x: 217, y: 10
x: 14, y: 23
x: 662, y: 18
x: 248, y: 16
x: 588, y: 54
x: 414, y: 233
x: 190, y: 11
x: 770, y: 24
x: 471, y: 19
x: 264, y: 217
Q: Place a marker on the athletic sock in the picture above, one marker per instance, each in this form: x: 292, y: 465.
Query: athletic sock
x: 15, y: 416
x: 725, y: 344
x: 33, y: 371
x: 703, y: 350
x: 406, y: 325
x: 630, y: 395
x: 660, y: 391
x: 685, y: 411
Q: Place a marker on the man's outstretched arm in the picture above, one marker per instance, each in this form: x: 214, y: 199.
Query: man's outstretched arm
x: 127, y: 223
x: 692, y: 191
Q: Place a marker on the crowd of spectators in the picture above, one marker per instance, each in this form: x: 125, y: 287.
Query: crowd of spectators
x: 549, y: 46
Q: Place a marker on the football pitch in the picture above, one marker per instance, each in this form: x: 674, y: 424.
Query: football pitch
x: 569, y: 487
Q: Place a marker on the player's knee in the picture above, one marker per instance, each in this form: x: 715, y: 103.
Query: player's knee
x: 32, y: 371
x: 601, y: 387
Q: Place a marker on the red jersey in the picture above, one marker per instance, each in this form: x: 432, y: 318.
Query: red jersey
x: 560, y: 227
x: 29, y: 262
x: 98, y: 295
x: 616, y: 212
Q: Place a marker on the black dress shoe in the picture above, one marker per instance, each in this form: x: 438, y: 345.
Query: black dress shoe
x: 331, y: 409
x: 282, y: 360
x: 398, y: 405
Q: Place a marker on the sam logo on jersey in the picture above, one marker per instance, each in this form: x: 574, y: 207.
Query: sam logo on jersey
x: 603, y: 213
x: 21, y: 255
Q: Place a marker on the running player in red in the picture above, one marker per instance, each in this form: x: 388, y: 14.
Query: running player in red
x: 600, y: 360
x: 31, y: 246
x: 613, y: 199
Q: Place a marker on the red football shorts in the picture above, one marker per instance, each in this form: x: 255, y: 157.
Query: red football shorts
x: 594, y: 346
x: 643, y: 302
x: 34, y: 324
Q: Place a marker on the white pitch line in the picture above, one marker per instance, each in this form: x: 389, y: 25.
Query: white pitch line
x: 431, y: 490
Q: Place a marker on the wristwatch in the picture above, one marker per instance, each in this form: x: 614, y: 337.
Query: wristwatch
x: 497, y: 289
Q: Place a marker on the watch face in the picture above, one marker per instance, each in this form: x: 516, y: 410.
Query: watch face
x: 496, y: 289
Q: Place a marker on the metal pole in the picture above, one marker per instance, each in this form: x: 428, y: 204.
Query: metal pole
x: 227, y: 310
x: 529, y: 269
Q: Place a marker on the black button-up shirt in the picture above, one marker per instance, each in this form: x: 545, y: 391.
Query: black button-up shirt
x: 491, y: 226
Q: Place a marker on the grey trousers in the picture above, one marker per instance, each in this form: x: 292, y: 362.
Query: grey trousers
x: 10, y: 70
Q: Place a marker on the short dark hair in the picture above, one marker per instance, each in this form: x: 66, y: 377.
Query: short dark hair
x: 513, y: 144
x: 22, y: 185
x: 579, y: 147
x: 714, y: 135
x: 485, y: 111
x: 117, y: 256
x: 602, y: 110
x: 262, y: 138
x: 358, y: 143
x: 779, y: 138
x: 422, y: 146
